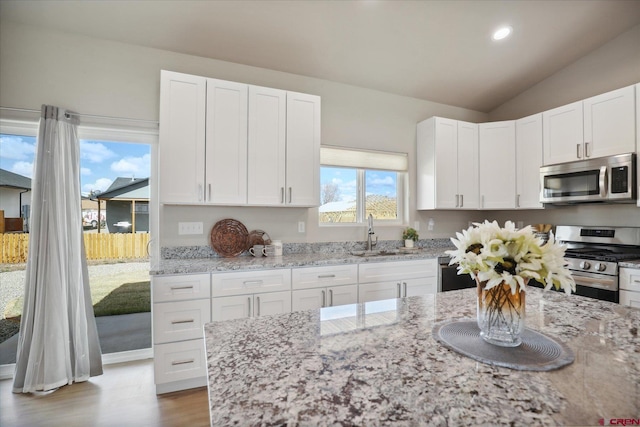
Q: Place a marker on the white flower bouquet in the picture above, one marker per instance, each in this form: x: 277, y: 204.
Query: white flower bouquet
x: 506, y: 255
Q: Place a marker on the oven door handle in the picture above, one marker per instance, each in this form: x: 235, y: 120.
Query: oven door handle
x: 607, y: 283
x: 603, y: 182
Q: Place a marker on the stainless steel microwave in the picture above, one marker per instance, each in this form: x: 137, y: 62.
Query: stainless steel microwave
x: 606, y: 179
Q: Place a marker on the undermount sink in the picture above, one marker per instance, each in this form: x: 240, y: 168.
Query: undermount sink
x: 374, y: 253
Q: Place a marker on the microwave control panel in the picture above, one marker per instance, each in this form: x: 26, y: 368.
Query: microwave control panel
x: 620, y: 179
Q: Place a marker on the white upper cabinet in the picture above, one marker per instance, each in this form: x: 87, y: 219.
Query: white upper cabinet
x: 226, y: 143
x: 599, y: 126
x: 267, y: 145
x: 182, y: 137
x: 497, y: 165
x: 528, y: 162
x: 447, y: 164
x: 303, y: 150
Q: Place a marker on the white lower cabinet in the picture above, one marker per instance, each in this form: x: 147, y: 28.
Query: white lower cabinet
x: 630, y: 287
x: 240, y: 306
x: 181, y: 306
x: 398, y: 279
x: 250, y: 293
x: 317, y: 287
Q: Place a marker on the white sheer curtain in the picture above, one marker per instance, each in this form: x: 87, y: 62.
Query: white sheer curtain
x: 58, y: 342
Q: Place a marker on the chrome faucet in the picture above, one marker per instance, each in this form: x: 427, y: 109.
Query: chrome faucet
x: 371, y: 244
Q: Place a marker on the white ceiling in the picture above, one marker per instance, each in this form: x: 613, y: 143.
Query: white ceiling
x: 435, y: 50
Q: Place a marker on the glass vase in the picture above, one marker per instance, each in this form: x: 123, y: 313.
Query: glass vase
x: 501, y: 314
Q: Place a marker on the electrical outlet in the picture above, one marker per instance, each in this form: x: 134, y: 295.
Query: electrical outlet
x: 190, y: 228
x: 301, y: 226
x: 520, y: 225
x: 431, y: 224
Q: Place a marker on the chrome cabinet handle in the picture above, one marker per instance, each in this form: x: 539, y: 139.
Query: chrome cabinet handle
x: 200, y: 192
x: 209, y: 199
x: 182, y: 362
x: 258, y: 306
x: 405, y: 288
x: 457, y: 201
x: 461, y: 200
x: 252, y: 282
x: 482, y: 201
x: 175, y: 288
x: 323, y: 299
x: 249, y: 302
x: 326, y: 276
x: 517, y: 200
x: 282, y: 195
x: 290, y: 192
x: 177, y: 322
x: 586, y: 149
x: 398, y: 285
x: 578, y: 150
x: 330, y: 297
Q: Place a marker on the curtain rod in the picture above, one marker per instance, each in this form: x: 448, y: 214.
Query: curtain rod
x: 28, y: 110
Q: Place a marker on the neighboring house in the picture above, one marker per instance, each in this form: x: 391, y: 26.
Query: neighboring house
x: 15, y: 199
x: 127, y: 205
x: 91, y: 212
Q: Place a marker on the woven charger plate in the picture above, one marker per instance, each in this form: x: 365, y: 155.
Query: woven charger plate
x: 259, y: 237
x: 229, y: 238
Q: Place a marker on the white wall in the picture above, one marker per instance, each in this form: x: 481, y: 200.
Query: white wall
x: 10, y: 201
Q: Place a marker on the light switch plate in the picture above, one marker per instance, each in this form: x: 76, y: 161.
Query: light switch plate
x: 301, y: 226
x: 190, y: 228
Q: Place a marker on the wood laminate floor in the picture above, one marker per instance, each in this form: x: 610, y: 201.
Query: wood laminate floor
x: 123, y: 396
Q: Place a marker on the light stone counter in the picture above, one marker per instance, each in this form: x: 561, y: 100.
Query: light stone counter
x: 378, y: 364
x: 634, y: 263
x: 205, y: 265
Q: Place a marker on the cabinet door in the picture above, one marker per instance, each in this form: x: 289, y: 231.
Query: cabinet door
x: 180, y: 287
x: 272, y: 303
x: 227, y: 308
x: 308, y: 299
x: 267, y: 146
x: 630, y: 299
x: 226, y: 146
x: 528, y: 162
x: 342, y: 295
x: 609, y: 123
x: 563, y: 134
x: 446, y: 163
x: 181, y: 137
x: 379, y: 291
x: 303, y: 150
x: 422, y: 286
x: 497, y: 166
x: 469, y: 196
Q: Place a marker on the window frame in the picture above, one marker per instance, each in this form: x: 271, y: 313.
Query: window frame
x: 361, y: 220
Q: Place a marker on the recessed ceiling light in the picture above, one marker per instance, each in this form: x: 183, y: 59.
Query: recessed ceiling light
x: 502, y: 33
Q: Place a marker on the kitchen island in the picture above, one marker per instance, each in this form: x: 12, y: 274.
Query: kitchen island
x: 378, y: 364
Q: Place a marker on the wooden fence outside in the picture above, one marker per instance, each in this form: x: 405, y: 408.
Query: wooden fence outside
x: 14, y: 247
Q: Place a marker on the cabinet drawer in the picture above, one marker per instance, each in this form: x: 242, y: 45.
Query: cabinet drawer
x: 630, y: 279
x: 179, y: 361
x: 316, y: 277
x: 397, y: 270
x: 250, y: 282
x: 179, y: 321
x: 182, y: 287
x: 630, y: 299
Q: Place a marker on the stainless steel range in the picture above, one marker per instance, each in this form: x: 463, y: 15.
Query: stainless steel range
x: 593, y: 254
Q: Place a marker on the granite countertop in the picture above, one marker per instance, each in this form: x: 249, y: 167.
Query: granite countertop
x: 378, y: 364
x: 631, y: 263
x: 205, y: 265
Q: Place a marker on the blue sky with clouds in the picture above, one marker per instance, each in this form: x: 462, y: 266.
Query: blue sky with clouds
x: 101, y: 162
x: 377, y: 182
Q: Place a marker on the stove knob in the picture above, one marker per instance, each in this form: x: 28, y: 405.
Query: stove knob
x: 585, y: 265
x: 601, y: 267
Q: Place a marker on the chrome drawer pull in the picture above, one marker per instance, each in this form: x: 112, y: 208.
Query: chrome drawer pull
x: 177, y: 288
x: 177, y: 322
x: 182, y: 362
x: 326, y: 276
x: 252, y: 282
